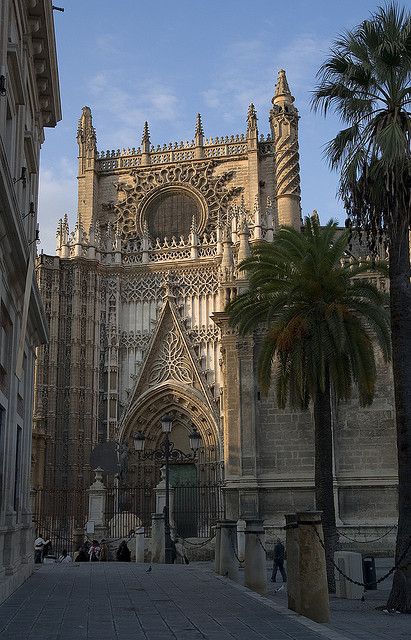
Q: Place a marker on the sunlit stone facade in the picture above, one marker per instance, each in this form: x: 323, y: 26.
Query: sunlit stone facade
x: 135, y: 297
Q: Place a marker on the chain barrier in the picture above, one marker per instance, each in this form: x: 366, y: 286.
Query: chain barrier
x: 341, y: 533
x: 397, y: 565
x: 261, y: 544
x: 241, y: 562
x: 195, y: 544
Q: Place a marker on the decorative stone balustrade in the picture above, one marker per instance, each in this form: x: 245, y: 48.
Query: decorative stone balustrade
x: 217, y: 147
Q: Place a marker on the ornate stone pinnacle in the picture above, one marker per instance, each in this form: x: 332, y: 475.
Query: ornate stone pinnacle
x: 251, y: 117
x: 315, y: 217
x: 193, y: 227
x: 282, y: 88
x: 86, y: 134
x: 199, y: 126
x: 146, y: 135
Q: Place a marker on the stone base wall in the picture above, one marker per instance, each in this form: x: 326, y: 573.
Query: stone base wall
x: 8, y: 584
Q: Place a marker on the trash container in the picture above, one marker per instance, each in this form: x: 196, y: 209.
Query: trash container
x: 369, y: 573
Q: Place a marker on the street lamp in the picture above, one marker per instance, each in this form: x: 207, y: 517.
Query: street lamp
x: 164, y: 454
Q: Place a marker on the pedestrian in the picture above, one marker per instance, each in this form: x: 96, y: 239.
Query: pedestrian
x: 65, y: 557
x: 82, y: 555
x: 94, y: 551
x: 123, y: 552
x: 103, y: 551
x: 39, y: 545
x: 278, y: 564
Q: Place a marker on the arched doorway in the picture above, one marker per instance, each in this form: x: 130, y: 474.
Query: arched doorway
x: 197, y: 482
x: 188, y: 409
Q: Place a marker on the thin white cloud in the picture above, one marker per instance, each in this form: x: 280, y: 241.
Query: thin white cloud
x: 57, y: 196
x: 127, y: 110
x: 247, y: 72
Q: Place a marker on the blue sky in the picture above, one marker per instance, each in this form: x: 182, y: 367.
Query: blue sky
x: 164, y: 61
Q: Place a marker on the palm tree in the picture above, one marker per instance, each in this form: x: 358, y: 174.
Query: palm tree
x: 322, y: 323
x: 367, y: 80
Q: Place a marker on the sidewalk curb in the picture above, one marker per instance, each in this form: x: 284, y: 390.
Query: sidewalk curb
x: 302, y: 620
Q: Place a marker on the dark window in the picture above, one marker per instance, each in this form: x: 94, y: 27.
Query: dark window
x: 171, y: 214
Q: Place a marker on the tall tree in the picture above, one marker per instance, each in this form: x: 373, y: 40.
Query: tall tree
x: 322, y: 323
x: 367, y: 81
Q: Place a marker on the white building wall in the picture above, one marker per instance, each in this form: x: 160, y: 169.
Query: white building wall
x: 24, y: 113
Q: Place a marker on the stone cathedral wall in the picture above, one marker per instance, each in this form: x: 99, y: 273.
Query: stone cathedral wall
x: 112, y: 285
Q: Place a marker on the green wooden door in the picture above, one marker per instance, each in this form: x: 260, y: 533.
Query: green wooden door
x: 184, y: 478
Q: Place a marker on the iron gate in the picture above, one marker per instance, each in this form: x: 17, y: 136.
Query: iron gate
x: 60, y: 515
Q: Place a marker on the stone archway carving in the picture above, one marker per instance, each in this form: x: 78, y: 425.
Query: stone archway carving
x: 188, y: 407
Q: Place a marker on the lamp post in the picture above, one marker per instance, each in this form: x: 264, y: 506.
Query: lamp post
x: 164, y: 454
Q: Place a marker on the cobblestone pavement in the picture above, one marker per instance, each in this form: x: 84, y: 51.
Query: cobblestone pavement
x: 114, y: 601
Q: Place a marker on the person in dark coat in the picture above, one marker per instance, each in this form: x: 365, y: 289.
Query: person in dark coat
x: 278, y: 565
x: 123, y: 552
x: 82, y: 555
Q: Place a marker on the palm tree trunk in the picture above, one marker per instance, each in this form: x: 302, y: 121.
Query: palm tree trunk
x: 324, y: 492
x: 400, y: 304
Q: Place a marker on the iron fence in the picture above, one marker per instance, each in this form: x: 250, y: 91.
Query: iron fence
x: 196, y: 508
x: 128, y: 508
x: 59, y: 515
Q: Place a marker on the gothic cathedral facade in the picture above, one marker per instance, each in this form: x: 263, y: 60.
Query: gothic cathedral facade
x: 136, y: 298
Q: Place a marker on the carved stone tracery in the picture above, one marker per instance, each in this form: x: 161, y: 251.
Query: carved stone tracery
x: 198, y: 179
x: 172, y: 361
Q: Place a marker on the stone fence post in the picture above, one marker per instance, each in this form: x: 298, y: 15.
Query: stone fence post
x: 97, y: 494
x: 160, y: 491
x: 255, y: 563
x: 139, y: 537
x: 241, y: 539
x: 217, y: 547
x: 292, y: 551
x: 228, y: 543
x: 158, y: 538
x: 313, y: 588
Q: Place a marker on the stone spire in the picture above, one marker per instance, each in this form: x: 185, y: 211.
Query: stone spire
x: 63, y: 237
x: 59, y: 234
x: 252, y: 129
x: 281, y: 88
x: 87, y: 174
x: 244, y: 245
x: 199, y: 138
x: 86, y: 134
x: 145, y: 145
x: 284, y: 129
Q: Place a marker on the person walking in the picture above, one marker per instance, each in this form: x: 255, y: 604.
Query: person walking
x: 278, y: 564
x: 39, y: 546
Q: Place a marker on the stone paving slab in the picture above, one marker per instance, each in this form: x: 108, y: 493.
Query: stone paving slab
x: 114, y: 601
